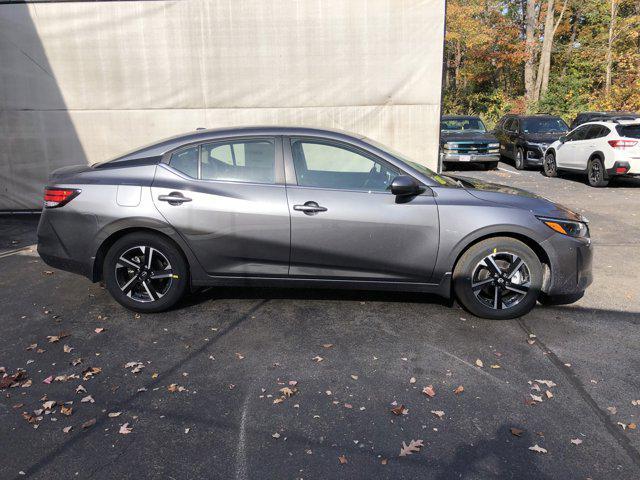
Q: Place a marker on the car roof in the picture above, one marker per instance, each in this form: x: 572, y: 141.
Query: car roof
x: 163, y: 146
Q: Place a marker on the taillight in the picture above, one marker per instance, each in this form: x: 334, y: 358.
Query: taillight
x: 57, y: 197
x: 622, y: 144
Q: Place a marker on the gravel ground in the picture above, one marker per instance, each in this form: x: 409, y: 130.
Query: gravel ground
x: 203, y: 404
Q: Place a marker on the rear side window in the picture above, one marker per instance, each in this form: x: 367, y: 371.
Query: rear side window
x: 631, y: 131
x: 251, y: 161
x: 186, y: 161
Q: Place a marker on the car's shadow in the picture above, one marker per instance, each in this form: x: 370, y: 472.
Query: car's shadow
x: 216, y: 293
x: 617, y: 182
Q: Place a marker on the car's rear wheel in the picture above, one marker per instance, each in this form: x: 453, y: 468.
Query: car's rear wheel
x: 498, y: 278
x: 145, y: 272
x: 596, y: 173
x: 549, y: 166
x: 519, y: 160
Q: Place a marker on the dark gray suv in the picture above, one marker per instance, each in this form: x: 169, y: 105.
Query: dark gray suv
x: 306, y: 208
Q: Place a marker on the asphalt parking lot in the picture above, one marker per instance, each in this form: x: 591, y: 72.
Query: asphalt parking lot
x: 207, y: 401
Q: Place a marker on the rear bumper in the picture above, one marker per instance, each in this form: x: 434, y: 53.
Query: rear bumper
x: 473, y: 157
x: 623, y: 168
x: 571, y: 262
x: 55, y: 253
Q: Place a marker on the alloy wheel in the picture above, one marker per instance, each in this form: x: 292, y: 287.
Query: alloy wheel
x: 501, y: 280
x: 550, y: 167
x: 143, y: 273
x: 595, y: 174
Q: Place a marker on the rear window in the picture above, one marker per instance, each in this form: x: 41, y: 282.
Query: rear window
x: 631, y: 131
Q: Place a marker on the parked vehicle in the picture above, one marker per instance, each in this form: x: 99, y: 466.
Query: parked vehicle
x: 602, y: 150
x: 585, y: 117
x: 525, y: 138
x: 275, y: 206
x: 465, y: 139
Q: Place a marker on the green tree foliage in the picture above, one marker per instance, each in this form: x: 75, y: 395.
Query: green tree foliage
x: 595, y: 56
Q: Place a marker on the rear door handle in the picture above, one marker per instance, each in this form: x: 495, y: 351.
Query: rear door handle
x: 310, y: 208
x: 174, y: 198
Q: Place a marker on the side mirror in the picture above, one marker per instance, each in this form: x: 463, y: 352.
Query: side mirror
x: 404, y: 185
x: 563, y: 139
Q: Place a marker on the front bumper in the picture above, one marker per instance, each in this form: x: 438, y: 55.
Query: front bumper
x: 534, y: 154
x: 472, y: 157
x: 571, y: 262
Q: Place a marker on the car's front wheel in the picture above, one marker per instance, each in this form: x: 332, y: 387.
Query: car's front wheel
x: 498, y: 278
x: 519, y: 161
x: 145, y: 272
x: 549, y: 166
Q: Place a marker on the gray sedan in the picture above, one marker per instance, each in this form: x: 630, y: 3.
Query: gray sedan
x: 302, y: 207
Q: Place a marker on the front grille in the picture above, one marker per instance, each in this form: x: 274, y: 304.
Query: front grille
x: 467, y: 148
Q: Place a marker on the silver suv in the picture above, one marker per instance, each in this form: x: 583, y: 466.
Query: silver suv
x: 306, y: 208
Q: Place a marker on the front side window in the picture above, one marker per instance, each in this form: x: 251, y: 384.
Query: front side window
x: 331, y: 166
x: 186, y: 161
x: 251, y: 161
x: 578, y: 134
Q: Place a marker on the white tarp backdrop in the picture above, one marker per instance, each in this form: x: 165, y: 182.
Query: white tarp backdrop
x: 84, y: 82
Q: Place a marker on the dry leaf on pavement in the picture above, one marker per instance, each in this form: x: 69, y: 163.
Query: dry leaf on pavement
x: 516, y: 432
x: 479, y: 363
x: 89, y: 423
x: 400, y: 410
x: 429, y: 391
x: 413, y: 447
x: 538, y: 449
x: 576, y: 441
x: 438, y: 413
x: 342, y: 459
x: 125, y: 429
x: 459, y: 390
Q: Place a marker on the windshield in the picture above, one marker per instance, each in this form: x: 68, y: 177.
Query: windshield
x: 544, y: 125
x: 462, y: 124
x: 441, y: 179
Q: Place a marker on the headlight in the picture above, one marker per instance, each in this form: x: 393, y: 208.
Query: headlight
x: 494, y: 145
x: 567, y: 227
x: 450, y: 146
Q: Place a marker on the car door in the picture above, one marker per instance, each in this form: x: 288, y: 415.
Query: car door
x: 508, y: 145
x: 346, y: 225
x: 228, y: 200
x: 571, y: 154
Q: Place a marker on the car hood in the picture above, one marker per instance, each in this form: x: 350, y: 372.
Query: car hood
x: 547, y: 138
x: 467, y: 137
x: 517, y: 198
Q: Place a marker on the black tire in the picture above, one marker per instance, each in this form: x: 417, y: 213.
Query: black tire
x: 474, y: 274
x: 549, y: 166
x: 490, y: 165
x: 596, y: 173
x: 161, y: 287
x: 518, y: 161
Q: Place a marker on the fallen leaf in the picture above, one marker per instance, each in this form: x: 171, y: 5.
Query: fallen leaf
x: 413, y: 447
x: 548, y: 394
x: 87, y: 399
x: 89, y: 372
x: 67, y: 349
x: 81, y: 389
x: 495, y: 366
x: 412, y: 380
x: 317, y: 359
x: 354, y: 377
x: 438, y: 413
x: 327, y: 345
x: 49, y: 405
x: 384, y: 461
x: 99, y: 330
x: 288, y: 392
x: 66, y: 410
x: 536, y: 398
x: 125, y: 429
x: 429, y: 391
x: 67, y: 429
x: 33, y: 346
x: 479, y: 363
x: 548, y: 383
x: 136, y: 367
x: 276, y: 435
x: 576, y: 441
x: 632, y: 426
x: 400, y: 410
x: 114, y: 414
x: 48, y: 380
x: 342, y: 459
x: 76, y: 361
x: 516, y: 432
x: 89, y: 423
x: 239, y: 356
x: 612, y: 410
x: 538, y: 449
x: 174, y: 387
x: 459, y: 390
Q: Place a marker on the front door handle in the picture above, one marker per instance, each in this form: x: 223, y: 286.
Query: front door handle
x: 174, y: 198
x: 310, y: 208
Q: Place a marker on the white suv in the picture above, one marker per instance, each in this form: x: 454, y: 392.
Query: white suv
x: 601, y: 149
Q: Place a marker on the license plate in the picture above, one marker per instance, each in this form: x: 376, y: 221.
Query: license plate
x: 465, y: 158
